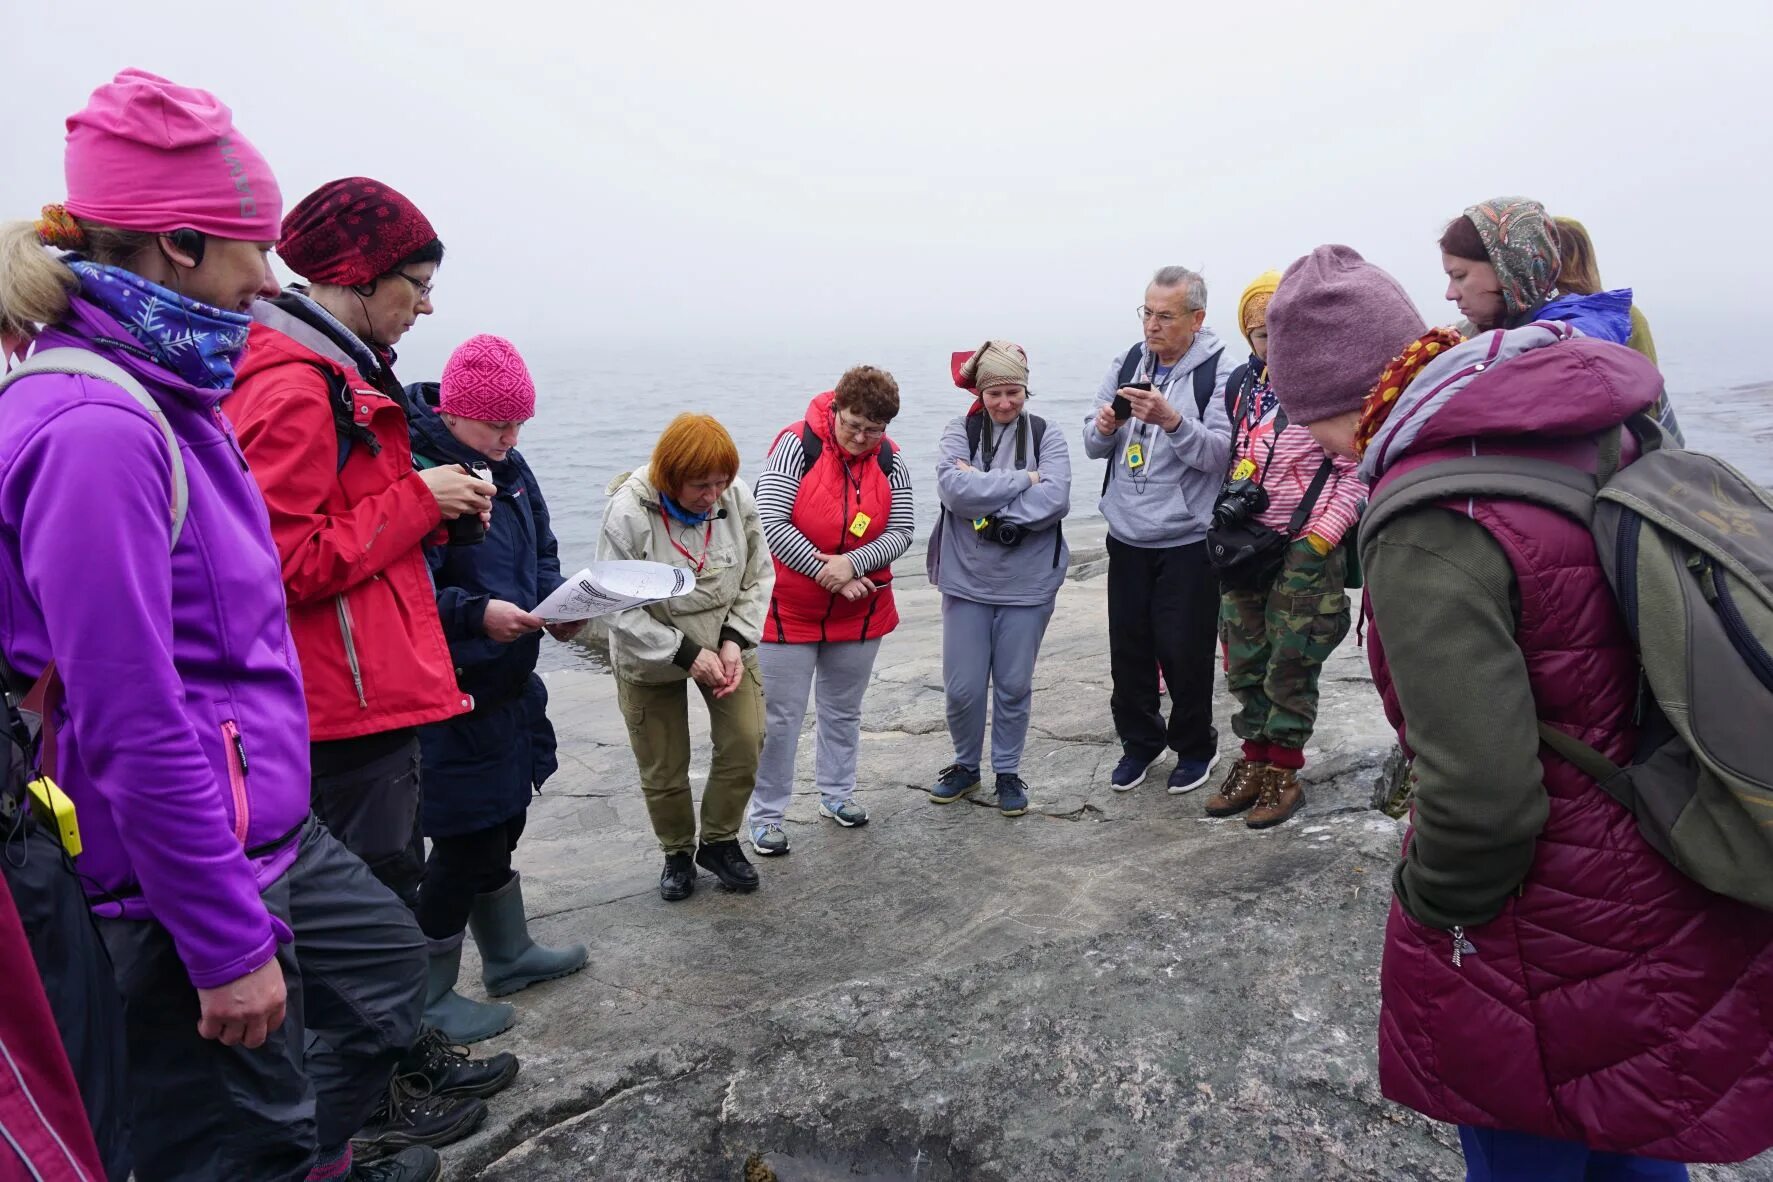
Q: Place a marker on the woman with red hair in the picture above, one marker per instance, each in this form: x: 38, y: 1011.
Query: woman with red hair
x: 687, y: 509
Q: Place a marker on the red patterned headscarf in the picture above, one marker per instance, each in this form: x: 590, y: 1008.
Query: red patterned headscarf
x: 1398, y: 373
x: 351, y: 232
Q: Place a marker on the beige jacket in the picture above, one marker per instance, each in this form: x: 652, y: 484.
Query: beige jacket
x: 657, y: 644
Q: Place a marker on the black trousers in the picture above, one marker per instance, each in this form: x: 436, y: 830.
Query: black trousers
x: 461, y: 867
x: 356, y: 980
x: 1163, y: 610
x: 372, y: 807
x: 77, y: 979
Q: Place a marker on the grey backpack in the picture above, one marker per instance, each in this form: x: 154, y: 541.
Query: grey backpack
x: 1687, y: 544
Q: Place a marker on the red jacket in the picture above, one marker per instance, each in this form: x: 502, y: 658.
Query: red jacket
x: 361, y: 603
x: 835, y: 488
x: 1614, y: 1001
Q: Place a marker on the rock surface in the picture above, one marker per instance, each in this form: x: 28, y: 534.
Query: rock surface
x: 1112, y: 987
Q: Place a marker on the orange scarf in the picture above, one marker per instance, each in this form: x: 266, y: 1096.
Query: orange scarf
x: 1398, y: 373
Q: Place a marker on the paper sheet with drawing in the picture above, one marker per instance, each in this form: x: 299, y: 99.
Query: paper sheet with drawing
x: 604, y: 588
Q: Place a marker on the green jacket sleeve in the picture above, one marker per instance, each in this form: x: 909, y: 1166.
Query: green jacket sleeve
x: 1443, y: 598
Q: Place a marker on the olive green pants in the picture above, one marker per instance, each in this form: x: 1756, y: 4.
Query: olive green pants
x: 658, y: 730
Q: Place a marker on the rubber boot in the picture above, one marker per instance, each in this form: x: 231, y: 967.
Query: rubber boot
x: 509, y: 959
x: 461, y: 1020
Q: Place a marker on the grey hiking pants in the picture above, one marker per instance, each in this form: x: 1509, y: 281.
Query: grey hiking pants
x: 840, y: 670
x: 990, y: 645
x: 355, y: 977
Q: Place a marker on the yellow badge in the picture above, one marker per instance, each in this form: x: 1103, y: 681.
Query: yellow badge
x: 860, y: 525
x: 1135, y: 456
x: 53, y: 808
x: 979, y: 523
x: 1245, y: 469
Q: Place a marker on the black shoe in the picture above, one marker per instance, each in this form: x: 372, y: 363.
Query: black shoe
x: 726, y: 861
x: 679, y: 878
x: 418, y: 1164
x: 410, y: 1115
x: 451, y: 1073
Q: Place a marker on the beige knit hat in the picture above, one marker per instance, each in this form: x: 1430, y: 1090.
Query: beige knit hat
x: 995, y: 363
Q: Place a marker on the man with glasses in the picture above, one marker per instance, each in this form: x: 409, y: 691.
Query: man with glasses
x: 1160, y: 422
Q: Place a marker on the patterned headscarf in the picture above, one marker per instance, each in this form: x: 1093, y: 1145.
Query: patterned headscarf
x: 1522, y: 246
x: 995, y: 363
x: 1398, y: 373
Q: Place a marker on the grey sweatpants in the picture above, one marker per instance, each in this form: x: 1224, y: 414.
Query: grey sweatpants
x: 990, y: 644
x: 841, y: 671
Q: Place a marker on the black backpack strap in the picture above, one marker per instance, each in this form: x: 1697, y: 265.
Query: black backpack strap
x: 975, y: 433
x: 1130, y: 364
x: 1234, y: 392
x: 1206, y: 376
x: 1316, y: 489
x: 811, y: 447
x: 1038, y: 426
x: 884, y: 457
x: 344, y: 421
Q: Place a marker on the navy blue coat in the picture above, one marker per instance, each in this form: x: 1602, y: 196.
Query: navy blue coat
x: 481, y: 768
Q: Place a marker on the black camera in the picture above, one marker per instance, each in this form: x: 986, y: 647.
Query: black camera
x: 1239, y: 502
x: 1004, y: 533
x: 468, y: 529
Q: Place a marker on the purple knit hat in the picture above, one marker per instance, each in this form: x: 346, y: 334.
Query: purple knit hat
x: 1332, y: 326
x: 487, y: 380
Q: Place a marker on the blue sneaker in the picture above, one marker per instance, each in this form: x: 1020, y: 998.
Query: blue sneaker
x: 953, y: 782
x: 847, y: 813
x: 768, y: 840
x: 1191, y: 774
x: 1129, y: 773
x: 1012, y: 794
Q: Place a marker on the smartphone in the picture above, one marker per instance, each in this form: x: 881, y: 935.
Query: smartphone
x: 1123, y: 410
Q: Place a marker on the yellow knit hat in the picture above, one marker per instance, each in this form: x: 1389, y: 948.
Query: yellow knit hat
x: 1252, y: 306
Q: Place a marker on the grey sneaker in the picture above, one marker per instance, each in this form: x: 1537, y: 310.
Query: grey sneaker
x: 847, y: 813
x: 768, y: 840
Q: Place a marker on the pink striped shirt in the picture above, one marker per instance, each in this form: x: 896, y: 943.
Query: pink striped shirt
x: 1296, y: 459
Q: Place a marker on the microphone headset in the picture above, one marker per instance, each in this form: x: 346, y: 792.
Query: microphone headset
x: 190, y: 242
x: 720, y: 515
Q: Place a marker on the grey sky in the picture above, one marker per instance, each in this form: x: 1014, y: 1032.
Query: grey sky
x: 786, y: 172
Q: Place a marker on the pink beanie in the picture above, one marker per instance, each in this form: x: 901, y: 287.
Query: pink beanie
x: 1333, y: 324
x: 145, y: 154
x: 487, y: 380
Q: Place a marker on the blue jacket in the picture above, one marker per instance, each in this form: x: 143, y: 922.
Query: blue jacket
x: 481, y: 768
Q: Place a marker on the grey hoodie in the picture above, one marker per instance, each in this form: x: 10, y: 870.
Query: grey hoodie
x: 962, y: 563
x: 1168, y: 501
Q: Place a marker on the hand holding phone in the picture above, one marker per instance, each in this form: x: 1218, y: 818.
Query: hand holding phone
x: 1123, y: 409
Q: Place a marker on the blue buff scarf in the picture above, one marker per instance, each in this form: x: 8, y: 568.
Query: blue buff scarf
x: 199, y: 343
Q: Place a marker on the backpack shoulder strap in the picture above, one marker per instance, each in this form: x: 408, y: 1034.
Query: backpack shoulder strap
x: 1316, y: 489
x: 811, y: 446
x: 1130, y: 364
x: 975, y: 433
x: 1516, y: 478
x: 1038, y: 426
x: 884, y: 456
x: 1206, y: 376
x: 86, y: 363
x: 345, y: 424
x: 1234, y: 392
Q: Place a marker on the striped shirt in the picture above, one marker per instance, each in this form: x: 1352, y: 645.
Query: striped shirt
x: 777, y: 488
x: 1289, y: 473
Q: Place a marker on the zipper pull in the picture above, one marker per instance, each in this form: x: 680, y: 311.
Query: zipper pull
x: 1462, y: 947
x: 240, y: 753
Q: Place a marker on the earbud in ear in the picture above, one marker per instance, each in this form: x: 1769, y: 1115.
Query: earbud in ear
x: 189, y: 242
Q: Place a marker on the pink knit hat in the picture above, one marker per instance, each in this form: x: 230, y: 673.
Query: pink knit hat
x: 487, y: 380
x: 145, y: 154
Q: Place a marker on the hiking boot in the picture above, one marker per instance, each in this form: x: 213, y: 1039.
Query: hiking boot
x: 678, y: 880
x: 953, y: 782
x: 410, y: 1115
x: 509, y: 959
x: 1190, y: 774
x: 1129, y: 773
x: 461, y: 1019
x: 1280, y: 797
x: 1012, y: 794
x: 451, y: 1073
x: 847, y: 813
x: 1239, y: 791
x: 768, y: 840
x: 726, y: 861
x: 418, y: 1164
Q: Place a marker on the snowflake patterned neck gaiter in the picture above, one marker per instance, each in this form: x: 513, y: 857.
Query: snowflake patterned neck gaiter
x: 199, y: 343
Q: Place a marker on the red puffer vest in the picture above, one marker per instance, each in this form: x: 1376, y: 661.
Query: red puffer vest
x: 1614, y: 1001
x: 834, y: 489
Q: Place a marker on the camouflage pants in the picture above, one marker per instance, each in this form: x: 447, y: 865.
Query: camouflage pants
x: 1277, y: 641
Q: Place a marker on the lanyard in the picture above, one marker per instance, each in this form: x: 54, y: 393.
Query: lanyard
x: 707, y: 538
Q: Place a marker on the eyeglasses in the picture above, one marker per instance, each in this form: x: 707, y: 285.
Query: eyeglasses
x: 1164, y: 319
x: 424, y: 289
x: 860, y: 431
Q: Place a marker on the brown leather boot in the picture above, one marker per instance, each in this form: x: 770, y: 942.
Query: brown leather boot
x: 1239, y: 791
x: 1280, y: 797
